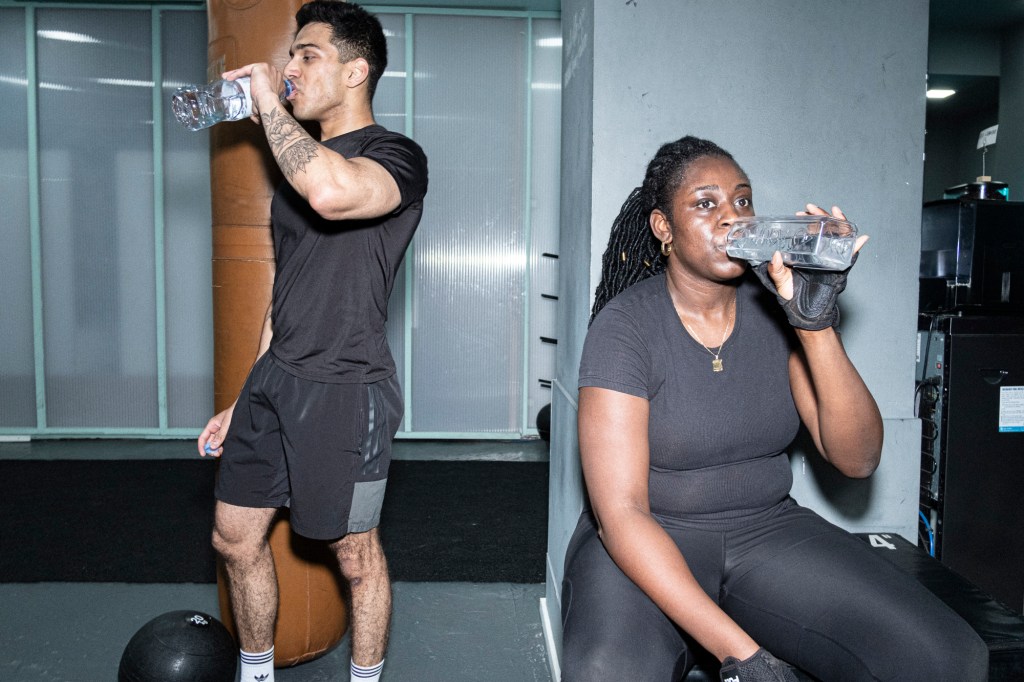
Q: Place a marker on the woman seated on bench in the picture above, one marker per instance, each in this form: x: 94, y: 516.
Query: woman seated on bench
x: 694, y: 380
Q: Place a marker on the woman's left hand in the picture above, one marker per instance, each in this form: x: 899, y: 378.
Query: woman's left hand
x: 782, y: 275
x: 808, y: 297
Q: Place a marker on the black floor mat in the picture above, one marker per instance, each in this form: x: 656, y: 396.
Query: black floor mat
x: 149, y: 521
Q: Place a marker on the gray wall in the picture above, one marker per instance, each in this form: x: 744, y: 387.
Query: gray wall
x: 819, y: 101
x: 1010, y: 168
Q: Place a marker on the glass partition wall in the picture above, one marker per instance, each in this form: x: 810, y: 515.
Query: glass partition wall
x: 105, y: 276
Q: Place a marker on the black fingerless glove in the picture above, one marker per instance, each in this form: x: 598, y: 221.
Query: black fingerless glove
x: 761, y: 667
x: 813, y: 305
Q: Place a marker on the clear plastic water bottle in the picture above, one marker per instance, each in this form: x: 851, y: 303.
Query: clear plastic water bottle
x: 201, y: 106
x: 813, y: 241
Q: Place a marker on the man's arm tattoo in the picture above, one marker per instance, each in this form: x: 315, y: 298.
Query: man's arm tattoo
x: 290, y: 144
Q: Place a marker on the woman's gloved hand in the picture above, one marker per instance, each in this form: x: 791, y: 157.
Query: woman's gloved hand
x: 813, y: 303
x: 808, y: 297
x: 761, y: 667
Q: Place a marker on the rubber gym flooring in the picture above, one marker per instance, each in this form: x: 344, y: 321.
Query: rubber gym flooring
x: 442, y: 631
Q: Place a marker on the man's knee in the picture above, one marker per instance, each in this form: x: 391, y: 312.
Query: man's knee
x: 360, y: 555
x: 234, y: 548
x: 240, y: 536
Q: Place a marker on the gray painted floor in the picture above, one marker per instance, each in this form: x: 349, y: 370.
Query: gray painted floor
x: 441, y: 632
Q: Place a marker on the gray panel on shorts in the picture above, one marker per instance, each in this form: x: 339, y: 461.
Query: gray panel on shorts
x: 367, y: 499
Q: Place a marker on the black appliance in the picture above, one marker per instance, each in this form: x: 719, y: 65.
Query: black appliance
x: 971, y: 403
x: 972, y: 256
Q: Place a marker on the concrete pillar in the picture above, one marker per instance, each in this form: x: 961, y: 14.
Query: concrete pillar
x: 818, y: 101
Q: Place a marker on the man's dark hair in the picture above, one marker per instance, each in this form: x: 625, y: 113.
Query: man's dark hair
x: 633, y: 252
x: 354, y: 32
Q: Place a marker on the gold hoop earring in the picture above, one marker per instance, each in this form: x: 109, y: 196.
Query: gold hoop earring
x: 666, y: 248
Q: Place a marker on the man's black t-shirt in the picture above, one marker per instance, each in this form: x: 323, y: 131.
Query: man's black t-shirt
x: 333, y: 278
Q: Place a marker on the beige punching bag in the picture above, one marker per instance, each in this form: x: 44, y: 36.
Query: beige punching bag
x: 312, y: 616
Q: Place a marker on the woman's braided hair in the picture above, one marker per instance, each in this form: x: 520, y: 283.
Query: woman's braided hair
x: 633, y: 252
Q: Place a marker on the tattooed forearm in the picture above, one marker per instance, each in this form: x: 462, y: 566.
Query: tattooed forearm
x: 291, y: 145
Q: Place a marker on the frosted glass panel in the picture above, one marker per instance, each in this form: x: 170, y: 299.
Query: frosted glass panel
x: 389, y: 101
x: 546, y: 105
x: 389, y: 111
x: 187, y: 247
x: 95, y: 131
x: 17, y: 372
x: 470, y: 252
x: 478, y: 106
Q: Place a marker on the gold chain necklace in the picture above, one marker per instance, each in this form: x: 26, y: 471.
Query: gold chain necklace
x: 716, y: 364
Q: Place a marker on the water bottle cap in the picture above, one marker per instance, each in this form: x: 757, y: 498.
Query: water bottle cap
x: 288, y: 88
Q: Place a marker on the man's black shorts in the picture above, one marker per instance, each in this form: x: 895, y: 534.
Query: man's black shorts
x: 321, y: 449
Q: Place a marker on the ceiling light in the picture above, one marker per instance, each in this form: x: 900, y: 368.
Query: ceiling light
x: 938, y: 93
x: 67, y: 36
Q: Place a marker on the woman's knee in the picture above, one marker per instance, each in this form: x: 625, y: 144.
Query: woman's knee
x: 943, y: 649
x: 957, y: 654
x: 605, y: 637
x: 594, y: 658
x: 595, y: 662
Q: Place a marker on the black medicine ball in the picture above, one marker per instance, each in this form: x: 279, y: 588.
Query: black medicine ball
x: 544, y: 423
x: 179, y: 646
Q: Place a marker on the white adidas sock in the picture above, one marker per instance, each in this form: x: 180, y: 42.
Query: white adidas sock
x: 257, y: 667
x: 371, y: 674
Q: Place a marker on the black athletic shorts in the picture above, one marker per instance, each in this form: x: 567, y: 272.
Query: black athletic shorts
x: 320, y: 449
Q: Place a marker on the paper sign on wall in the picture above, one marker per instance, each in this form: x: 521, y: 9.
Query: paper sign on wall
x: 1011, y: 408
x: 988, y: 136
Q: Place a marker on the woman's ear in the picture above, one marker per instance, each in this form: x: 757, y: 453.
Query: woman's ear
x: 660, y: 226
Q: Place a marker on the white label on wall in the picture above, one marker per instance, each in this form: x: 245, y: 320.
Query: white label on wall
x: 988, y: 136
x: 1011, y: 408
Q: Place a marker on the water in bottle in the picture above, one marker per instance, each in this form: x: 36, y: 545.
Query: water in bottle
x: 197, y: 107
x: 812, y: 241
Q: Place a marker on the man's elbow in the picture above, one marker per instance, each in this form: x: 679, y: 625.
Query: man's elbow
x: 333, y: 203
x: 329, y: 203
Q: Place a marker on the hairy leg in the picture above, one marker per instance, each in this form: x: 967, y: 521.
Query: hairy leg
x: 362, y: 562
x: 240, y: 537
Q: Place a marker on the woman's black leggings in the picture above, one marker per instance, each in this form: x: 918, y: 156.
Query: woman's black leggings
x: 804, y: 589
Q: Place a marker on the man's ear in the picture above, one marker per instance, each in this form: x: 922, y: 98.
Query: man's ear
x: 358, y: 70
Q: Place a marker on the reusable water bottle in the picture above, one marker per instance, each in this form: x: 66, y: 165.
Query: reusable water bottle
x: 201, y: 106
x: 814, y: 242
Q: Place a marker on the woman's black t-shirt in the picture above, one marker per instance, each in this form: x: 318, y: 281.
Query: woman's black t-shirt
x: 717, y: 439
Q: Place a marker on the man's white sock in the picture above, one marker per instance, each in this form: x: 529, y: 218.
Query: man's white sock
x: 371, y: 674
x: 257, y: 667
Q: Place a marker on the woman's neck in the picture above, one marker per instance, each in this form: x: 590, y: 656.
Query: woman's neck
x: 700, y: 300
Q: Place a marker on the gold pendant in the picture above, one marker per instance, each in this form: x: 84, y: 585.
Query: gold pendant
x: 716, y: 365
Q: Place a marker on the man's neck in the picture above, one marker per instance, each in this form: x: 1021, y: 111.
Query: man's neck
x: 345, y: 120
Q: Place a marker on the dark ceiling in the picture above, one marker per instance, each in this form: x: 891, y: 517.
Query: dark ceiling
x: 973, y: 93
x: 975, y: 14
